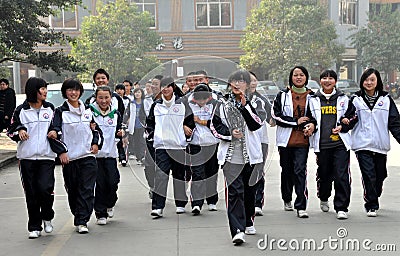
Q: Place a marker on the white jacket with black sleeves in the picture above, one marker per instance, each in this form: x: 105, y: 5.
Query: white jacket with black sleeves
x: 164, y: 125
x: 78, y: 131
x: 202, y: 135
x: 282, y: 112
x: 109, y: 124
x: 220, y: 128
x: 315, y: 107
x: 37, y: 123
x: 371, y: 126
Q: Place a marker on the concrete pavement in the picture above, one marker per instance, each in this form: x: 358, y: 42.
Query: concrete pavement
x: 133, y: 232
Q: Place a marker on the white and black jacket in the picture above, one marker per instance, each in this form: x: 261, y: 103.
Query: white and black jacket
x: 109, y: 124
x: 282, y: 112
x: 164, y: 125
x: 221, y: 129
x: 202, y: 135
x: 37, y: 125
x: 314, y: 107
x: 78, y: 131
x: 371, y: 126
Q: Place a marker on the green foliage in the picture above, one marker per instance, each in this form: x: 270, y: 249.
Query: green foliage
x: 21, y: 31
x: 117, y: 40
x: 378, y: 43
x: 283, y: 33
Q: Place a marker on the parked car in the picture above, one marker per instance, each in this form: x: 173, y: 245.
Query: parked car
x: 313, y: 85
x: 268, y: 89
x: 348, y: 86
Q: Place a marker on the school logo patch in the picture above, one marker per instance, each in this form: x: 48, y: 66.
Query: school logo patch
x: 380, y: 104
x: 342, y: 104
x: 46, y: 116
x: 110, y: 121
x: 206, y: 109
x: 175, y: 109
x: 86, y: 116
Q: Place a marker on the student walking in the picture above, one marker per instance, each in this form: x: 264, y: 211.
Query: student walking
x: 73, y: 123
x: 234, y: 122
x: 289, y: 111
x: 137, y: 144
x: 31, y: 123
x: 165, y: 128
x: 257, y: 99
x: 331, y: 144
x: 203, y: 162
x: 110, y: 123
x: 371, y: 114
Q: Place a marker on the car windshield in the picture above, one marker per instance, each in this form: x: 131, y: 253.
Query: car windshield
x: 312, y: 84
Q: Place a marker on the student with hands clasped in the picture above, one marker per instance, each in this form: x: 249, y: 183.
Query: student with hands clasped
x: 371, y: 114
x: 73, y: 123
x: 331, y: 144
x: 289, y: 111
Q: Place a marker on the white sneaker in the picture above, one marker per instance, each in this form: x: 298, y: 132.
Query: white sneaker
x: 324, y: 206
x: 158, y: 213
x: 180, y: 210
x: 83, y: 229
x: 123, y: 163
x: 287, y: 206
x: 110, y: 212
x: 101, y: 221
x: 372, y: 213
x: 250, y: 230
x: 48, y: 227
x: 341, y: 215
x: 302, y: 214
x: 212, y: 207
x: 196, y: 210
x: 132, y: 157
x: 258, y: 211
x: 34, y: 234
x: 238, y: 238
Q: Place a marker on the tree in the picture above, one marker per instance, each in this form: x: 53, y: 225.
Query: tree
x: 282, y: 34
x: 378, y: 43
x: 22, y: 31
x: 117, y: 40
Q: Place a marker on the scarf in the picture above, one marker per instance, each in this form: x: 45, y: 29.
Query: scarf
x: 97, y: 111
x: 327, y: 96
x: 299, y: 90
x: 235, y: 121
x: 168, y: 103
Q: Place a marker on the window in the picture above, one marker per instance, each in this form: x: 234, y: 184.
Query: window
x: 149, y: 6
x: 213, y: 13
x: 348, y: 12
x: 64, y: 19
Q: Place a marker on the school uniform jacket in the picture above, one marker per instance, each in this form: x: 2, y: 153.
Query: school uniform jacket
x: 75, y: 130
x: 220, y: 128
x: 282, y: 112
x: 371, y: 126
x: 315, y: 107
x: 260, y: 102
x: 202, y: 135
x: 37, y: 125
x: 109, y: 125
x: 164, y: 125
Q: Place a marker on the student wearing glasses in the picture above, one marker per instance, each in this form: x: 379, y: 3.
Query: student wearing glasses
x: 235, y: 122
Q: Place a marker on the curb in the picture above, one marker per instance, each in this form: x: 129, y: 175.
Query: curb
x: 8, y: 160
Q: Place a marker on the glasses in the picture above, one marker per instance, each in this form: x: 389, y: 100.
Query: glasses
x: 238, y: 81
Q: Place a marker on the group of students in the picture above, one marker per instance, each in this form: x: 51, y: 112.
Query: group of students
x: 196, y: 133
x: 83, y: 136
x: 323, y: 121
